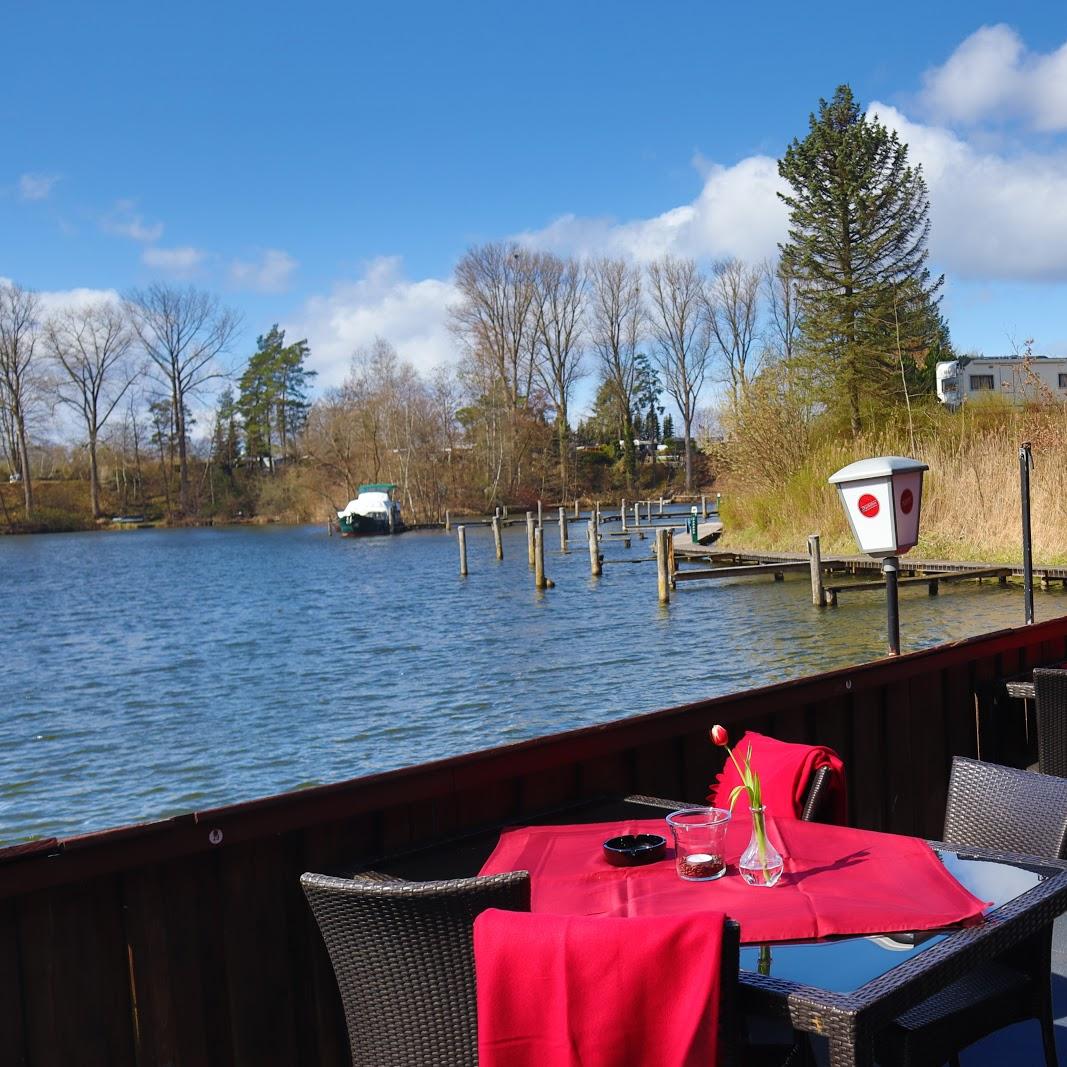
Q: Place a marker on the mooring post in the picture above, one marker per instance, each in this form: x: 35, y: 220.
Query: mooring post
x: 563, y: 536
x: 637, y: 514
x: 704, y: 506
x: 622, y: 514
x: 661, y: 505
x: 576, y: 515
x: 530, y: 536
x: 662, y: 565
x: 540, y: 581
x: 818, y: 598
x: 462, y: 536
x: 505, y: 511
x: 672, y: 564
x: 496, y: 513
x: 329, y: 527
x: 718, y: 502
x: 648, y: 511
x: 497, y: 539
x: 595, y: 568
x: 540, y: 517
x: 448, y: 522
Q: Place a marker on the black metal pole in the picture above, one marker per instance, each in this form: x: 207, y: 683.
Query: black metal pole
x: 1026, y: 461
x: 890, y: 566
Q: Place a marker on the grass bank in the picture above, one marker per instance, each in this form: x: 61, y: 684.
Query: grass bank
x: 971, y: 504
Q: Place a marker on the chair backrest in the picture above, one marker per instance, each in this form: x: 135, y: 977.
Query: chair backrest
x: 1050, y: 691
x: 403, y: 956
x: 818, y: 794
x: 1005, y: 808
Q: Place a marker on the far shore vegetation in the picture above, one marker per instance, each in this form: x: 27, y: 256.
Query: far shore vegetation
x: 754, y: 380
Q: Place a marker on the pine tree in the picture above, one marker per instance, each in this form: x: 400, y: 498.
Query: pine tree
x: 858, y: 227
x: 273, y: 396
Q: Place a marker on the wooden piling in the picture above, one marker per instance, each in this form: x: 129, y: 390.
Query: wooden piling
x: 648, y: 511
x: 704, y: 506
x: 563, y: 535
x: 818, y: 597
x: 622, y: 514
x: 672, y: 565
x: 637, y: 514
x: 595, y: 567
x: 661, y: 505
x: 505, y: 511
x: 329, y: 527
x: 448, y: 523
x: 540, y: 582
x: 462, y: 537
x: 497, y: 539
x: 576, y: 515
x: 530, y: 537
x: 662, y: 573
x: 540, y: 517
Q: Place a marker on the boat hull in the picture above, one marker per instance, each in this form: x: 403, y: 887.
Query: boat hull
x: 367, y: 526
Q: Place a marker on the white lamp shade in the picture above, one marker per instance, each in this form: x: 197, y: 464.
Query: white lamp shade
x: 882, y: 498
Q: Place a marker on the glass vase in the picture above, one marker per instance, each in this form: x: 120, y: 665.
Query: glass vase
x: 761, y: 863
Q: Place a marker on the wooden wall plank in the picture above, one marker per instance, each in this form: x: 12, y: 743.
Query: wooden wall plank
x: 76, y: 976
x: 254, y: 884
x: 12, y: 1030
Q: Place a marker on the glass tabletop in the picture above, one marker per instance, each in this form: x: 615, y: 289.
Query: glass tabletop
x: 844, y: 965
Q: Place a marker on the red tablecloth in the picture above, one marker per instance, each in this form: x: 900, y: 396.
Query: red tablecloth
x: 837, y: 880
x: 559, y: 990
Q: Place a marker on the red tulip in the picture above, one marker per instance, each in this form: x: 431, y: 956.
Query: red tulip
x: 719, y: 735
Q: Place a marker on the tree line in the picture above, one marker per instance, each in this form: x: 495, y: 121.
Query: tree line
x: 842, y: 326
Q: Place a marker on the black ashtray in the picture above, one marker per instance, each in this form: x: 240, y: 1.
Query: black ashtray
x: 634, y: 850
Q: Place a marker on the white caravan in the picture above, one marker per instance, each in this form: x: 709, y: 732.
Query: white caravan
x: 1016, y: 378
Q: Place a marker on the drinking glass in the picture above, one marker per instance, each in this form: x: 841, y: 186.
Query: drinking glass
x: 699, y: 842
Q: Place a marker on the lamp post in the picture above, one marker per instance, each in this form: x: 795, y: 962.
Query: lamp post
x: 882, y: 498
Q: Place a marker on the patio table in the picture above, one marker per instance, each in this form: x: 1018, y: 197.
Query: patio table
x: 845, y: 989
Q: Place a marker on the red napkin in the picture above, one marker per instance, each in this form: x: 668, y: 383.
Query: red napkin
x: 564, y: 990
x: 837, y: 880
x: 784, y: 771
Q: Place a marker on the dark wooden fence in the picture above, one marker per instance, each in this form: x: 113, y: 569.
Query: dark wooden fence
x: 187, y: 942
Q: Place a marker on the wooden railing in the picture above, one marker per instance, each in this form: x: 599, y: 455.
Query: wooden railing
x: 187, y: 942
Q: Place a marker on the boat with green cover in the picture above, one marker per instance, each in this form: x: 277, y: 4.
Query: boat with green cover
x: 372, y: 512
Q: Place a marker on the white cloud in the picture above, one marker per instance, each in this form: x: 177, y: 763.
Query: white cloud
x: 269, y: 274
x: 183, y: 260
x: 737, y: 213
x: 125, y: 221
x: 413, y: 315
x: 37, y: 186
x: 991, y: 75
x: 54, y: 300
x: 993, y: 216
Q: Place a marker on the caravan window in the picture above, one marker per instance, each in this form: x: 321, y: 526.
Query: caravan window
x: 981, y: 381
x: 1063, y: 381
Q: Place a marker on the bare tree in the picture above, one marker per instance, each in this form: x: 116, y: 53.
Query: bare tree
x: 183, y: 332
x: 614, y: 335
x: 560, y: 286
x: 19, y: 333
x: 679, y: 325
x: 733, y: 314
x: 90, y: 346
x: 783, y: 307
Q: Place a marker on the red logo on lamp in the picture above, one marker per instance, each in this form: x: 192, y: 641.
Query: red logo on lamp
x: 868, y: 506
x: 907, y: 501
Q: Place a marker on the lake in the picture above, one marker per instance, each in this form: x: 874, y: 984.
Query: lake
x: 148, y: 673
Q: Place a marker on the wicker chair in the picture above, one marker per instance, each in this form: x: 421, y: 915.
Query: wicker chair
x: 1050, y: 690
x: 1014, y: 811
x: 404, y: 959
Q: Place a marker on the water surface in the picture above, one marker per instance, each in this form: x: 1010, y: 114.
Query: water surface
x: 148, y: 673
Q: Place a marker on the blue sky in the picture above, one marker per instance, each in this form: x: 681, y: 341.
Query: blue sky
x: 325, y: 165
